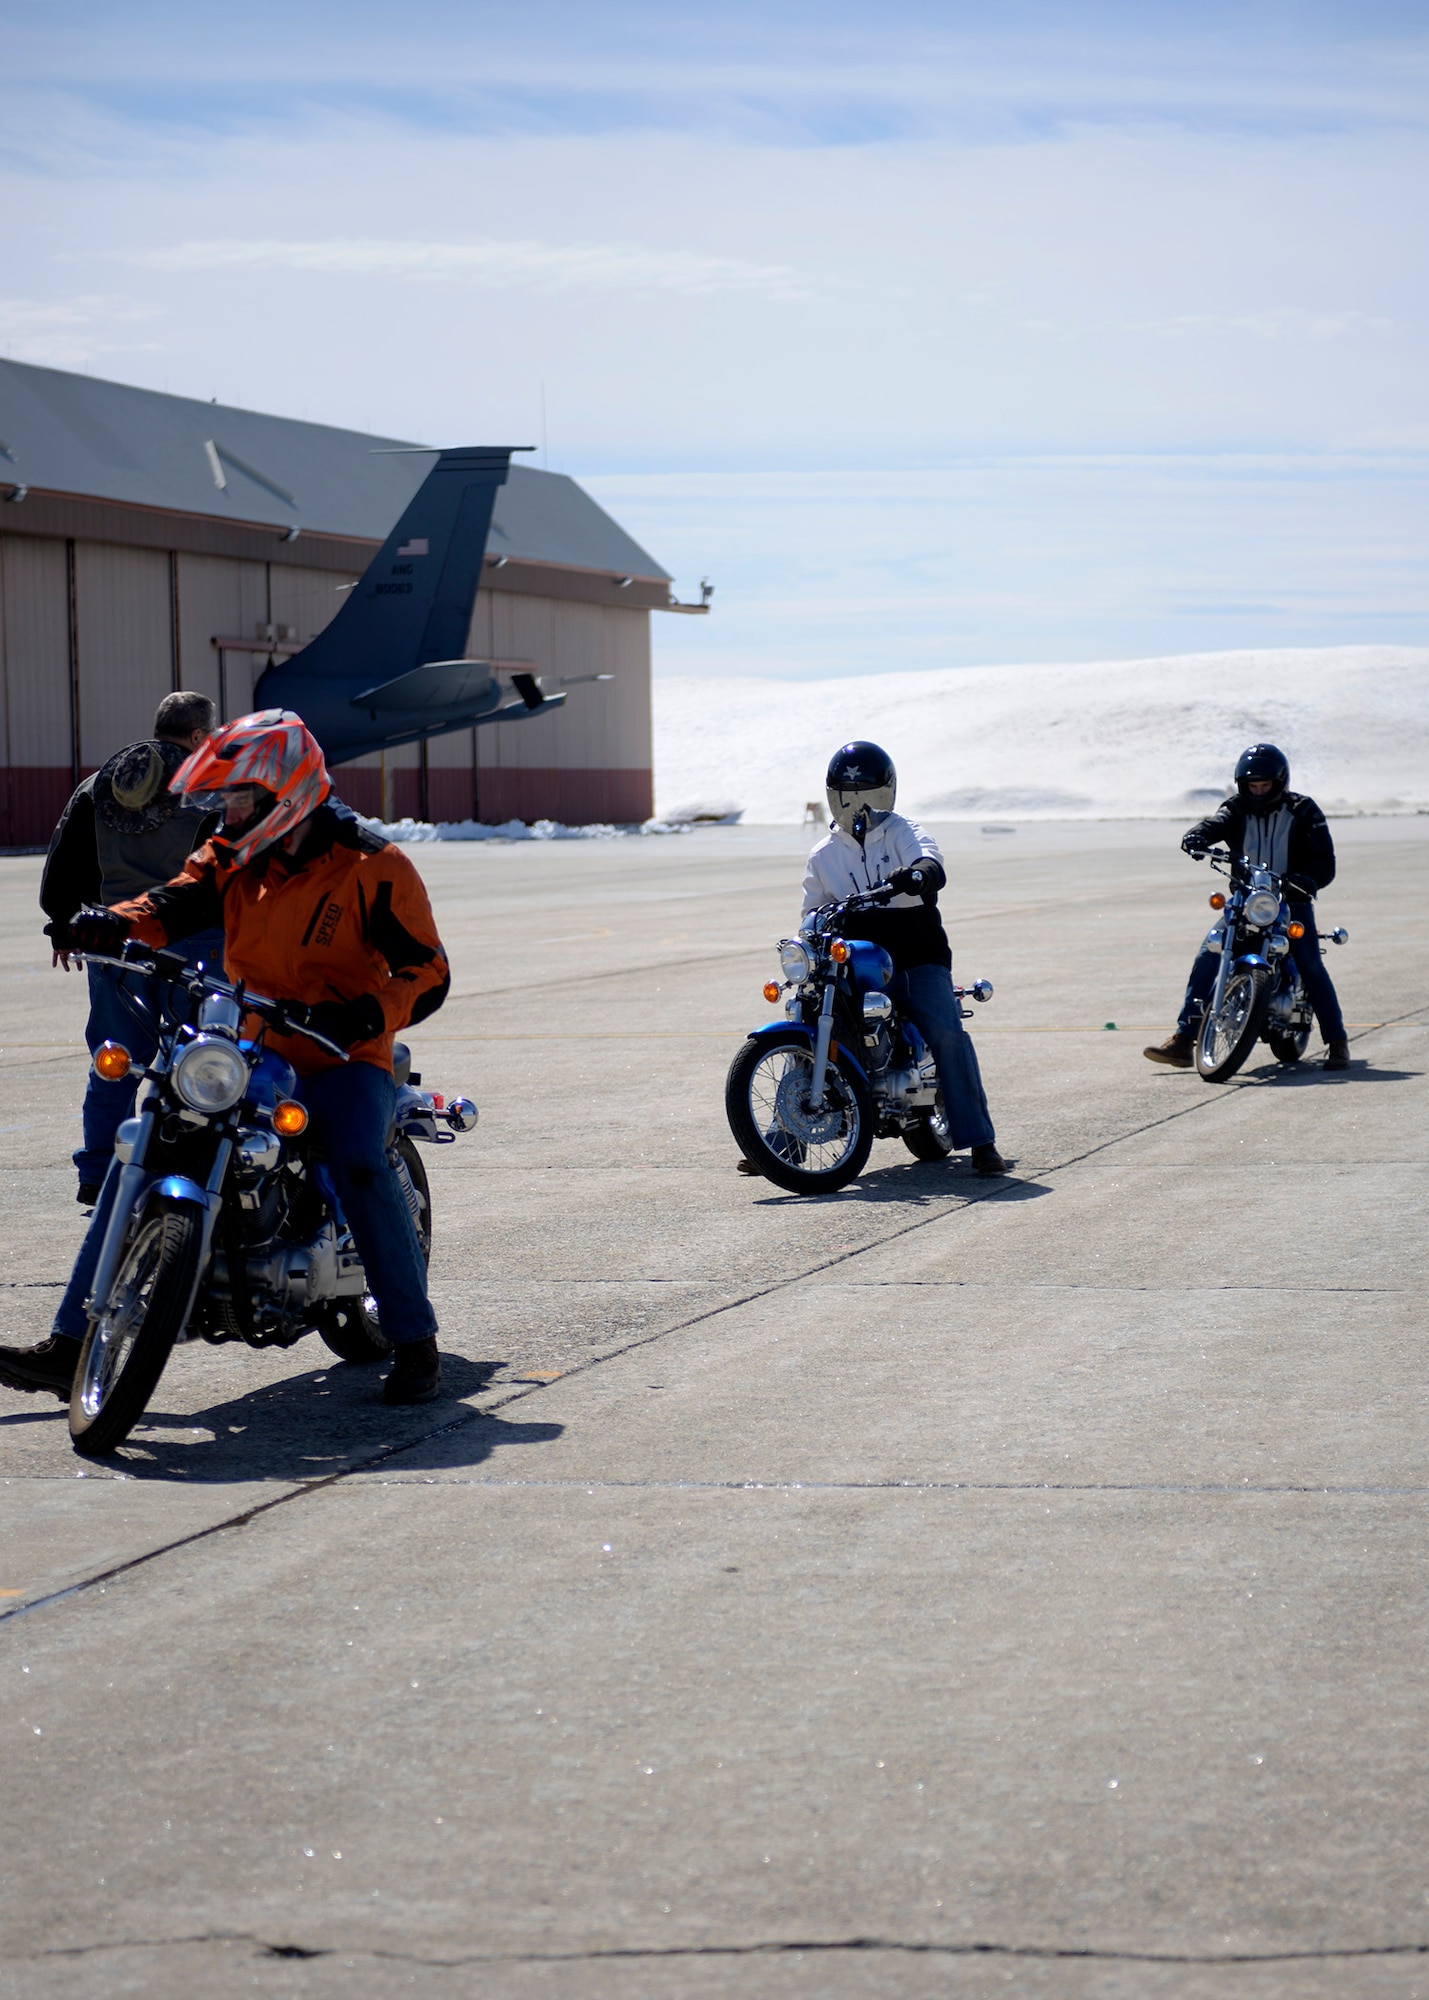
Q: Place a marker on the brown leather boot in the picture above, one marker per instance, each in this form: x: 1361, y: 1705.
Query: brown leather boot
x: 1337, y: 1055
x: 987, y: 1160
x: 1177, y: 1051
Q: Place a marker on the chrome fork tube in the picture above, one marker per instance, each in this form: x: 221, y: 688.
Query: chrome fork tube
x: 131, y: 1179
x: 821, y: 1048
x: 1223, y: 969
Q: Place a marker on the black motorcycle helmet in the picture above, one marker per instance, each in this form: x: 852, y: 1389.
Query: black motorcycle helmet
x: 861, y: 785
x: 1261, y: 761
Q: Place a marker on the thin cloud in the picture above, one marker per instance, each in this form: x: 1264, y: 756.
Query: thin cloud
x: 491, y: 265
x: 68, y: 333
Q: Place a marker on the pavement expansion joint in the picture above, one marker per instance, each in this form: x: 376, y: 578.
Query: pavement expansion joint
x: 756, y: 1948
x: 952, y: 1205
x: 1243, y: 1489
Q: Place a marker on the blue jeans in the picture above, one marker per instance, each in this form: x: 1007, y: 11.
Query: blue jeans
x: 925, y: 994
x: 1319, y: 987
x: 351, y: 1111
x: 107, y: 1105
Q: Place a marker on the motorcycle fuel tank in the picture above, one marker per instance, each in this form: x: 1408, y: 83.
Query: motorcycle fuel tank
x: 271, y: 1079
x: 870, y: 965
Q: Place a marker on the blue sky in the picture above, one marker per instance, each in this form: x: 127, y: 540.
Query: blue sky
x: 935, y: 334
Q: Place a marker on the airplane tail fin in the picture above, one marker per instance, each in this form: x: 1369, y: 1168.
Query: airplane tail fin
x: 412, y: 604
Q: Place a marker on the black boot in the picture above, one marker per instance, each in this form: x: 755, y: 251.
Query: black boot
x: 50, y: 1366
x: 1337, y: 1055
x: 416, y: 1375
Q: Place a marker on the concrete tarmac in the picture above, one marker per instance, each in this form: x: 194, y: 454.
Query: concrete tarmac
x: 945, y: 1587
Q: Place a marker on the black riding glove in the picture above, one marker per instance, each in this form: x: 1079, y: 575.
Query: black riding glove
x: 344, y: 1021
x: 923, y: 878
x: 60, y: 935
x: 97, y: 932
x: 1194, y: 843
x: 1300, y: 889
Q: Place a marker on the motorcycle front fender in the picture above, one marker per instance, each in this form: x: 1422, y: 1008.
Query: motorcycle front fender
x: 799, y: 1028
x: 178, y: 1187
x: 1249, y: 961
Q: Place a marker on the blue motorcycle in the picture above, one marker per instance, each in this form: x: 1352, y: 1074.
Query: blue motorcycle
x: 1259, y: 994
x: 224, y: 1221
x: 807, y: 1096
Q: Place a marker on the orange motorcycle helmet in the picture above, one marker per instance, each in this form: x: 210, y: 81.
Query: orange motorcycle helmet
x: 273, y: 750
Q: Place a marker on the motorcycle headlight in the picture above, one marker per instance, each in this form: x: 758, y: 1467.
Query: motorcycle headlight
x: 1261, y: 908
x: 210, y: 1074
x: 796, y: 961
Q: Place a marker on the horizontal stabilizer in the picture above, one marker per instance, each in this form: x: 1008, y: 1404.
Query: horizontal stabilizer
x: 440, y: 684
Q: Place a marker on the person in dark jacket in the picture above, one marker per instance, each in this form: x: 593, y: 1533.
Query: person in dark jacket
x: 1284, y: 831
x: 122, y: 832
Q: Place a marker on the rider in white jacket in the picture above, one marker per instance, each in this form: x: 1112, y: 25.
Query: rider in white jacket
x: 868, y: 844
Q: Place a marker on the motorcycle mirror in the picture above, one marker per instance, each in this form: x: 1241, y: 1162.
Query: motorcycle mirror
x: 461, y: 1114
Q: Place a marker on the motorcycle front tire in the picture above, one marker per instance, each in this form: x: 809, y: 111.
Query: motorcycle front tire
x: 131, y: 1337
x: 1227, y: 1036
x: 757, y: 1073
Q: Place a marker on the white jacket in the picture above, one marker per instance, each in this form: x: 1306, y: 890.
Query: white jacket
x: 838, y: 865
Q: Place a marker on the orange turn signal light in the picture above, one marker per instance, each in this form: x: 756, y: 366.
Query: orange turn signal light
x: 111, y: 1062
x: 1295, y: 930
x: 1218, y: 901
x: 839, y: 952
x: 289, y: 1118
x: 772, y: 989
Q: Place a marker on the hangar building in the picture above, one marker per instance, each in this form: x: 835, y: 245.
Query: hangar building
x: 150, y: 542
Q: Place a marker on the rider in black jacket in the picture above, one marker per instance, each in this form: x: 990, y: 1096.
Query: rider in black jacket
x: 1284, y: 831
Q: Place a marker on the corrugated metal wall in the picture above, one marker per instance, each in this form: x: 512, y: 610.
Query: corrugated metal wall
x: 34, y: 656
x: 77, y: 687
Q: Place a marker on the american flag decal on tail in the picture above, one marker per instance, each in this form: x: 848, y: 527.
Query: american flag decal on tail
x: 416, y: 547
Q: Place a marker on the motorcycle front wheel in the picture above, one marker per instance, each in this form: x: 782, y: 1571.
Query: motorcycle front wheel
x: 132, y: 1335
x: 766, y: 1099
x: 930, y: 1137
x: 1230, y: 1032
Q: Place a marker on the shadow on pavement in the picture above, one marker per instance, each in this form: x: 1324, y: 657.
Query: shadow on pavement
x: 1303, y: 1075
x: 328, y: 1420
x: 914, y: 1187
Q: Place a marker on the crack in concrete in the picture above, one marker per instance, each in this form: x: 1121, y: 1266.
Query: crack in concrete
x: 952, y: 1206
x: 758, y: 1948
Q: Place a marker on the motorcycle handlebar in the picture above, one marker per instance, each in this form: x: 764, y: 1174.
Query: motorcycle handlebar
x: 280, y: 1014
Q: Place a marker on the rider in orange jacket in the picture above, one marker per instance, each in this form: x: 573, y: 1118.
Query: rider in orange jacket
x: 315, y: 909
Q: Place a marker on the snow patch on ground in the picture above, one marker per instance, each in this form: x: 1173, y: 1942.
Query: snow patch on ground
x: 417, y: 830
x: 1121, y: 739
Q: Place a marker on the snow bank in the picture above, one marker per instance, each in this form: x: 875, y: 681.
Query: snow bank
x: 1119, y: 739
x: 411, y: 830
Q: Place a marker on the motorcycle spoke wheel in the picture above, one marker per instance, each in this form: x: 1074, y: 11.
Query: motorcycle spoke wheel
x: 1231, y: 1031
x: 131, y: 1337
x: 767, y: 1104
